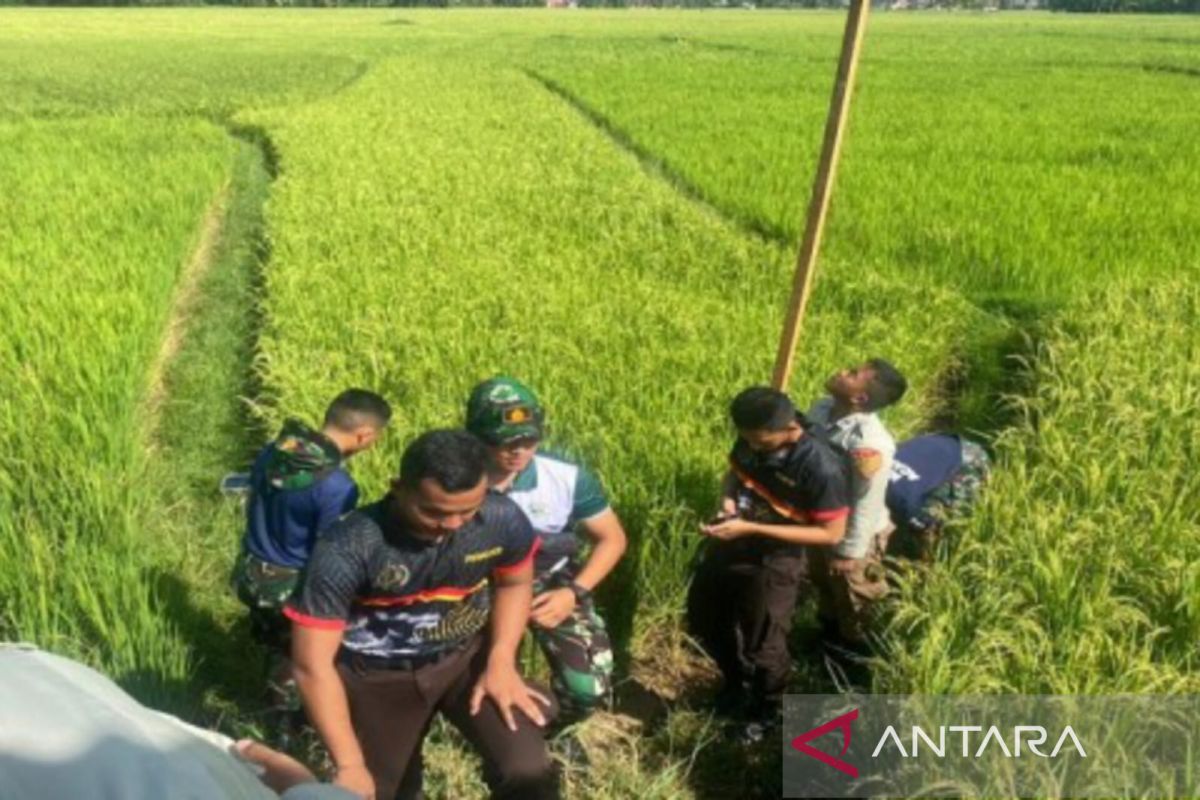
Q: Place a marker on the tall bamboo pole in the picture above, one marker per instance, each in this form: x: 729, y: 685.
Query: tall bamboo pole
x: 818, y: 206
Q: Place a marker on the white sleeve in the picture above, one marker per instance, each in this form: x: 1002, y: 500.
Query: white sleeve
x: 869, y: 514
x: 68, y: 731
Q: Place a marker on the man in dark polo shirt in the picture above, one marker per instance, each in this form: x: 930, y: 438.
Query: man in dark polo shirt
x: 415, y: 605
x: 784, y: 503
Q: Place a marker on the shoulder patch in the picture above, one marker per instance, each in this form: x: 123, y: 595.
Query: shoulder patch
x: 867, y: 462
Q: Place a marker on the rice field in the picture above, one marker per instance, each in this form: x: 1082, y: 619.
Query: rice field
x: 606, y: 204
x: 99, y: 219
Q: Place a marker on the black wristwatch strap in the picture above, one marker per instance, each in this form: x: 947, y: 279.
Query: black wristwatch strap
x: 581, y: 594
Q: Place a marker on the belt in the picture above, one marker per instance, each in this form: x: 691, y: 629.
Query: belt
x: 363, y: 661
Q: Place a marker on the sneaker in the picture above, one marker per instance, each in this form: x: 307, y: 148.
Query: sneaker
x: 756, y: 731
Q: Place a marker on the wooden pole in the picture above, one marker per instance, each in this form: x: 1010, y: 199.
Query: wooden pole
x: 818, y: 206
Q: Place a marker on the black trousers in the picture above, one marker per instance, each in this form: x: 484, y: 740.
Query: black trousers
x: 740, y: 607
x: 391, y: 710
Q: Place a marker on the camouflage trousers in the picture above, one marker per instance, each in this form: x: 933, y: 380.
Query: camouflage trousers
x: 580, y: 655
x: 953, y: 500
x: 263, y: 588
x: 849, y: 590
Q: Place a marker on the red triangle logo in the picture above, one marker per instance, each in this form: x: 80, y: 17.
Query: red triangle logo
x: 842, y: 723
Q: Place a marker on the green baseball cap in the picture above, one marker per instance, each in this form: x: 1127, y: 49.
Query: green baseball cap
x: 502, y: 409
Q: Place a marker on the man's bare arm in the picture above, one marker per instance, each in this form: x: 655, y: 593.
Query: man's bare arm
x: 829, y: 532
x: 608, y: 535
x: 729, y: 489
x: 313, y: 652
x: 512, y: 597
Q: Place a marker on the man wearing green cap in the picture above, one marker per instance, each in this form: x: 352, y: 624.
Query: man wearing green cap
x: 559, y: 496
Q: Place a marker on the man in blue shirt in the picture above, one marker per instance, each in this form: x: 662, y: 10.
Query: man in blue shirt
x: 298, y: 487
x: 934, y: 479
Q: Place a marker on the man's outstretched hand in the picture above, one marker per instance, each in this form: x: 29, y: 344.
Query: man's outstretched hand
x: 728, y: 529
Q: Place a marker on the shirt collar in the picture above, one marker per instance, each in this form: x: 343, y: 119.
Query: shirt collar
x: 850, y: 420
x: 526, y: 480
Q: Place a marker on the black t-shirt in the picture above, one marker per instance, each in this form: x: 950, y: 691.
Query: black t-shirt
x: 396, y: 595
x: 803, y: 484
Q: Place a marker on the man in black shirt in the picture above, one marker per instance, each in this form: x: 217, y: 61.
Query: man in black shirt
x: 785, y: 498
x: 416, y: 604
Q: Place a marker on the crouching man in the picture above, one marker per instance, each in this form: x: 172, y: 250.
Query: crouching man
x: 415, y: 605
x: 561, y: 498
x: 935, y: 479
x: 298, y: 487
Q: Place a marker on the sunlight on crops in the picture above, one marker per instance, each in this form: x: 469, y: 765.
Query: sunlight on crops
x: 606, y: 204
x: 99, y: 218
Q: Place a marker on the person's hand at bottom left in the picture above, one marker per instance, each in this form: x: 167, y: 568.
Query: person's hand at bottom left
x: 280, y: 771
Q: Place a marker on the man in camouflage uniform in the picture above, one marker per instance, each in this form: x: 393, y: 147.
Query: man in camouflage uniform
x: 298, y: 487
x: 559, y: 496
x: 935, y: 479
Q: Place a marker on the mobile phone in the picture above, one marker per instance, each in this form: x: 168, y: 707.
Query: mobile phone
x: 236, y: 484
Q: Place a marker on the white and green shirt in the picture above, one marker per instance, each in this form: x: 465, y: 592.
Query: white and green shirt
x: 555, y: 494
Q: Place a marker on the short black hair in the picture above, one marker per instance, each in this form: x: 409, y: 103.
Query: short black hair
x: 887, y: 386
x: 354, y: 408
x: 455, y: 459
x: 761, y: 408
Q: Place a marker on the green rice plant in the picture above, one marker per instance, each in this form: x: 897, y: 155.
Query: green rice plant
x: 98, y: 220
x: 56, y: 63
x: 527, y: 243
x: 1078, y: 574
x: 1014, y: 158
x: 474, y: 192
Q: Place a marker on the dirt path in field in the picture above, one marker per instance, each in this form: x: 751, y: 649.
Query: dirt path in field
x: 197, y: 425
x: 182, y: 308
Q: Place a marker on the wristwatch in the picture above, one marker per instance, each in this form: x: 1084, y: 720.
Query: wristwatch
x: 582, y: 595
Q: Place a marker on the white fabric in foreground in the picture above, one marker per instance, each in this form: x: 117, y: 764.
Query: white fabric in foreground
x: 66, y: 731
